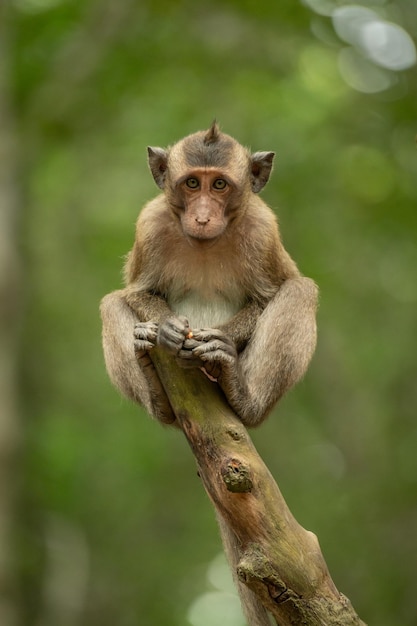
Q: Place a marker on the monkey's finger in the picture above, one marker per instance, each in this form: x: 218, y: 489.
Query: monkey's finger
x: 170, y: 340
x: 145, y: 331
x: 190, y: 344
x: 185, y: 354
x: 153, y: 325
x: 215, y: 346
x: 218, y: 356
x: 141, y: 345
x: 185, y: 325
x: 171, y: 334
x: 205, y: 334
x: 178, y: 324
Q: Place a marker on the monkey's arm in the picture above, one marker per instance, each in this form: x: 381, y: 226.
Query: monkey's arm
x: 127, y: 356
x: 242, y: 325
x: 154, y: 313
x: 147, y: 306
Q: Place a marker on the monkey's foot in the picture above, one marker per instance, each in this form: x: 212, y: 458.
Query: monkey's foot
x: 144, y: 334
x: 216, y: 350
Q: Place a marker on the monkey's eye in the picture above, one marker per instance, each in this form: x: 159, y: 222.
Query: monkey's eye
x: 192, y: 183
x: 219, y: 184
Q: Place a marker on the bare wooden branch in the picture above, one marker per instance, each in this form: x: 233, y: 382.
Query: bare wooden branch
x: 280, y: 561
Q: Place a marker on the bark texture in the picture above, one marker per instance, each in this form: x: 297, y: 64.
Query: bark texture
x: 279, y: 560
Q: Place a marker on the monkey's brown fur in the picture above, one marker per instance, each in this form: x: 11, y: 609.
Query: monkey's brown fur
x: 208, y: 258
x: 216, y: 259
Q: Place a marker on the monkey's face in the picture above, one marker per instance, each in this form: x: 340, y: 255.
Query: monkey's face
x: 203, y: 201
x: 207, y: 178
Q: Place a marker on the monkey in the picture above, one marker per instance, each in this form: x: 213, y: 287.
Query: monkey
x: 208, y: 258
x: 209, y: 280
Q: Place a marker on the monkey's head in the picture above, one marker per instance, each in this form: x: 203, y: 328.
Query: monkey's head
x: 207, y: 178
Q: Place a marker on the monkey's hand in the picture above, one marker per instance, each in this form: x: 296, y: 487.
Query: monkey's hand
x: 218, y: 355
x: 172, y: 334
x: 145, y: 334
x: 215, y: 351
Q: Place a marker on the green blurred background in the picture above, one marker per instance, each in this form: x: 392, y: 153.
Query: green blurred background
x: 102, y: 517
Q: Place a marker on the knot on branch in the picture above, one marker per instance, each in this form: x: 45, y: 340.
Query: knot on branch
x: 236, y: 476
x: 256, y: 571
x: 236, y: 434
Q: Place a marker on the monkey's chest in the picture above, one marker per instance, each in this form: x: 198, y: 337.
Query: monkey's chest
x: 203, y: 285
x: 203, y: 312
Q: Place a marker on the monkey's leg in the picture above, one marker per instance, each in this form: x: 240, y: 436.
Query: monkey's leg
x: 127, y: 361
x: 281, y: 347
x: 276, y: 357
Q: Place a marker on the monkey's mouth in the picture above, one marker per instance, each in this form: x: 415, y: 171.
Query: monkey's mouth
x: 197, y: 241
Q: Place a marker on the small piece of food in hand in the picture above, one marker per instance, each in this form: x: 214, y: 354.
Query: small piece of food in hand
x: 190, y: 335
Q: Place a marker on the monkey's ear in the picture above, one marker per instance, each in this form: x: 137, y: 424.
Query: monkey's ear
x: 261, y: 166
x: 158, y: 163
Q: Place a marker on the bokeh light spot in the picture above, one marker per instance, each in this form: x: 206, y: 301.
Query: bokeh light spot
x: 388, y: 45
x: 216, y: 607
x: 361, y: 74
x: 384, y: 43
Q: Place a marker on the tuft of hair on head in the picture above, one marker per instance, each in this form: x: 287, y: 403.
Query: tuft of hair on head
x: 213, y: 134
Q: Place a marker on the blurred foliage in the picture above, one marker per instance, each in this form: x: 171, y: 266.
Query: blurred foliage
x: 114, y: 526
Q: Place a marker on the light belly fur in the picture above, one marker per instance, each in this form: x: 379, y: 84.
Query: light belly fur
x: 205, y: 313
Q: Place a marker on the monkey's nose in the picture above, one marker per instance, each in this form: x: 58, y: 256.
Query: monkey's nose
x: 202, y: 221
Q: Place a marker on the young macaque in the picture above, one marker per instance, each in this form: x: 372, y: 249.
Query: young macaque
x: 209, y: 280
